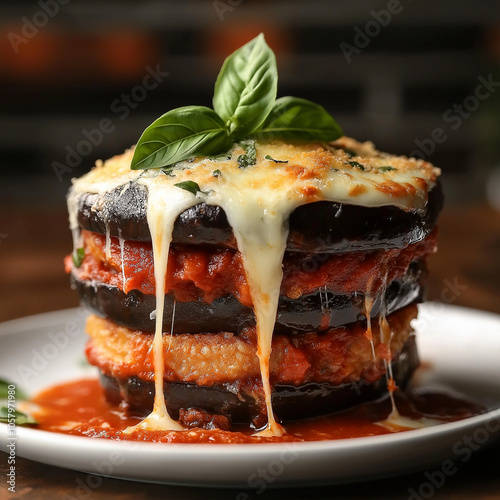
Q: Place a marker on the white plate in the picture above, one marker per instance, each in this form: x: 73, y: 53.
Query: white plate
x: 461, y: 346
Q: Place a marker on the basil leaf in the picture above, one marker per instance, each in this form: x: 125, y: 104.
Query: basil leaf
x: 296, y: 118
x: 190, y: 186
x: 246, y: 87
x: 78, y: 256
x: 4, y: 390
x: 269, y: 157
x: 180, y: 134
x: 20, y: 417
x: 386, y: 168
x: 250, y: 158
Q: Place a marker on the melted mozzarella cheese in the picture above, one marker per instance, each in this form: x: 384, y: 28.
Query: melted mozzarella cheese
x: 165, y: 203
x: 258, y: 201
x: 259, y: 222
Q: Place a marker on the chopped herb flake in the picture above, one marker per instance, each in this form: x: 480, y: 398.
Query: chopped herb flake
x: 269, y: 157
x: 226, y: 156
x: 168, y: 171
x: 356, y: 164
x: 217, y: 173
x: 78, y: 256
x: 386, y: 168
x: 250, y: 158
x: 190, y: 186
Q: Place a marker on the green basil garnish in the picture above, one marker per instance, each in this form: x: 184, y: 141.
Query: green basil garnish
x: 190, y: 186
x: 168, y: 171
x: 269, y: 157
x: 220, y: 157
x: 245, y: 105
x: 19, y: 417
x: 217, y: 173
x: 246, y: 87
x: 250, y: 156
x: 386, y: 168
x: 296, y: 118
x: 4, y: 390
x: 180, y: 134
x: 16, y: 394
x: 78, y: 256
x: 356, y: 164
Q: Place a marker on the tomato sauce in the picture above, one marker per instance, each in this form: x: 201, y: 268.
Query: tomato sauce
x: 210, y: 273
x: 79, y: 408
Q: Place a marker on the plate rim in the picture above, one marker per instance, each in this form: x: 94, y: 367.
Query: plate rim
x: 11, y: 327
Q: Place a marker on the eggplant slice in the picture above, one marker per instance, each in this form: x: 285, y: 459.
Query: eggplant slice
x: 320, y: 227
x: 227, y: 314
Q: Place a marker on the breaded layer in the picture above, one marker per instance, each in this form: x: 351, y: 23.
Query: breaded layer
x: 340, y: 355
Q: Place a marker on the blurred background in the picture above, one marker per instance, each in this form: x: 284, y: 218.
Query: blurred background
x: 79, y: 81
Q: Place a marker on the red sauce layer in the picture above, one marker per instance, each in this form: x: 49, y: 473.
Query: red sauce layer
x: 79, y: 408
x: 209, y: 273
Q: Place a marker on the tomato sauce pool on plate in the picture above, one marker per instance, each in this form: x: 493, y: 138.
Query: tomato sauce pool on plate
x: 79, y: 408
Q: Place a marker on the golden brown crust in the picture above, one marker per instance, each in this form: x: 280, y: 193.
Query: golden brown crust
x: 338, y: 356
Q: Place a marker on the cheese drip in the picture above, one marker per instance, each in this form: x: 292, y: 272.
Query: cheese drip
x: 165, y: 203
x: 260, y: 228
x: 368, y: 315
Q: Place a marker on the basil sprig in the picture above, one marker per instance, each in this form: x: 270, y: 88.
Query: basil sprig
x: 8, y: 413
x: 20, y: 418
x: 245, y: 105
x: 4, y: 390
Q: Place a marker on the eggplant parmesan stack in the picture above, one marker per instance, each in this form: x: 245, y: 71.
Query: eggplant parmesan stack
x: 278, y: 291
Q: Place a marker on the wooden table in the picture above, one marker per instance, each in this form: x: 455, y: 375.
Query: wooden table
x: 32, y: 245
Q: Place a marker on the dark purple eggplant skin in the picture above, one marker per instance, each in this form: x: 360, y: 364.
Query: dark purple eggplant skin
x: 305, y: 314
x: 289, y: 402
x: 319, y: 227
